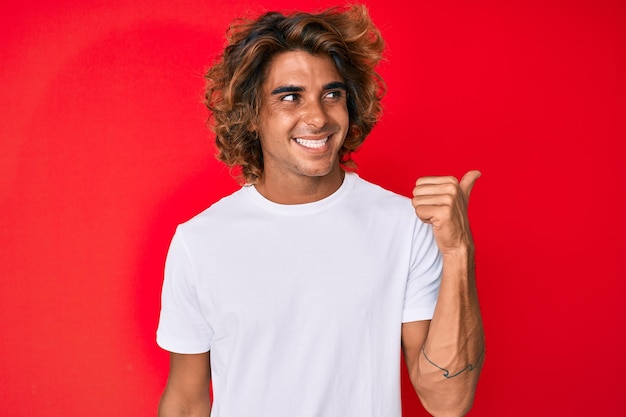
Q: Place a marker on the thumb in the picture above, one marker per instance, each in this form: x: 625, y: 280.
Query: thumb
x: 467, y: 182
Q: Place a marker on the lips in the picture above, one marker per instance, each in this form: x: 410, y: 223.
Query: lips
x: 312, y: 143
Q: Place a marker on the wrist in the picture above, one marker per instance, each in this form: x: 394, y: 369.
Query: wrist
x: 461, y: 253
x: 459, y: 262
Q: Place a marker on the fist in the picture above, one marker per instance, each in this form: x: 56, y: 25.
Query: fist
x: 442, y: 202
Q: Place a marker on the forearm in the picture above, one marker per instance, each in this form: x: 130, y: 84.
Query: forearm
x: 446, y: 368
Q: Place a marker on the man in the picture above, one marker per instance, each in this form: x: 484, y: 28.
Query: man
x: 295, y: 294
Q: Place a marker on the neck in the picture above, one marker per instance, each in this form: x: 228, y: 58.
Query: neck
x: 299, y: 190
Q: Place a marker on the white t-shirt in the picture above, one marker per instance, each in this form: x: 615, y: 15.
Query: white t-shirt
x: 301, y: 305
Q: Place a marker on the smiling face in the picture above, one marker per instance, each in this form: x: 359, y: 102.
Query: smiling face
x: 303, y: 121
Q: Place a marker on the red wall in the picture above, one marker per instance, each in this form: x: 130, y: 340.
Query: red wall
x: 104, y: 150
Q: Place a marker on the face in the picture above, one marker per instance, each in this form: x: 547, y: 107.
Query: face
x: 303, y: 119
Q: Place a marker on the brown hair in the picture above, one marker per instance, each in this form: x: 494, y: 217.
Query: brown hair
x: 347, y: 35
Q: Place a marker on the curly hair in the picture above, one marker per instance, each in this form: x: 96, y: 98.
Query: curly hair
x: 234, y: 82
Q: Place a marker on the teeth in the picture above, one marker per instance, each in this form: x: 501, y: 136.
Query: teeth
x: 312, y: 143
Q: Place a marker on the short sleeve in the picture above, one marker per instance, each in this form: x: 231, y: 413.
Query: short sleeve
x: 182, y: 327
x: 424, y: 276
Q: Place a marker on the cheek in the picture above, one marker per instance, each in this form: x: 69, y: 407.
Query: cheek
x: 343, y: 117
x: 278, y: 119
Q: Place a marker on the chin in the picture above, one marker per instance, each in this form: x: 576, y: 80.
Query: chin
x: 321, y: 171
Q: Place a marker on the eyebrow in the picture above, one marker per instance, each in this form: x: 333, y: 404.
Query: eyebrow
x: 336, y: 85
x: 287, y: 89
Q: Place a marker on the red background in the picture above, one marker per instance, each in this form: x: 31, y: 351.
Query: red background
x: 104, y: 150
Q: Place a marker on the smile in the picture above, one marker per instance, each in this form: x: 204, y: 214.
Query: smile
x: 313, y: 144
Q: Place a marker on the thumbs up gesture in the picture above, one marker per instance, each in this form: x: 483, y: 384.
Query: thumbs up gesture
x: 442, y: 202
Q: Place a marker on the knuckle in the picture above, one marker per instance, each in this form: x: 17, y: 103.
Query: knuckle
x: 452, y: 189
x: 449, y: 199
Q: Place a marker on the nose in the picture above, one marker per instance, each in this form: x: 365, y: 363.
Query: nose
x: 314, y: 114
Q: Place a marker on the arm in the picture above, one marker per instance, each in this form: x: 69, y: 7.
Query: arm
x: 187, y: 389
x: 444, y: 356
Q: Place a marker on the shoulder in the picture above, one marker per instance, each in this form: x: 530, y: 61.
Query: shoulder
x: 378, y: 205
x: 370, y: 193
x: 219, y: 213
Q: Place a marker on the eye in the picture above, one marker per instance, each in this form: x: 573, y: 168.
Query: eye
x: 289, y: 97
x: 334, y: 94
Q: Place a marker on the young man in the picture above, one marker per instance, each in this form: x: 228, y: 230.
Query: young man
x: 295, y: 294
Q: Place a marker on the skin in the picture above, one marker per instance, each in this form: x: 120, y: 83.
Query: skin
x: 303, y: 97
x: 187, y: 391
x: 444, y: 355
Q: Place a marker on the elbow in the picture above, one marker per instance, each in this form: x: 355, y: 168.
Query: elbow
x: 444, y: 403
x: 448, y: 410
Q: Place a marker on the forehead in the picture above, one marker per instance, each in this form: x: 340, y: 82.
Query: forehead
x: 300, y: 68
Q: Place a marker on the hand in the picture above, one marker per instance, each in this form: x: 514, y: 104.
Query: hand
x: 442, y: 202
